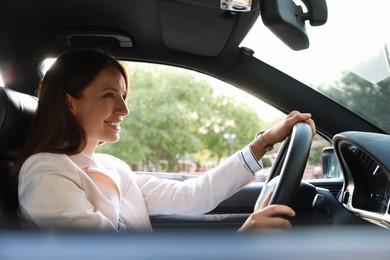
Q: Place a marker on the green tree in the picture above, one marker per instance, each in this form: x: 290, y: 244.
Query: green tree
x: 229, y: 116
x: 174, y: 115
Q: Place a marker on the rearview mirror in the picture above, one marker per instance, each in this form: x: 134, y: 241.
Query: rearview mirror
x: 287, y: 20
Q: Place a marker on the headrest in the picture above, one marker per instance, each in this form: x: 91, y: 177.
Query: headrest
x: 16, y: 113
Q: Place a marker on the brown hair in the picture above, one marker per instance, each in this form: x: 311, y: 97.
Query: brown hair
x: 54, y: 129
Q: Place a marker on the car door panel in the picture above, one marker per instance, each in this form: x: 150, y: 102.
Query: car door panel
x: 232, y: 212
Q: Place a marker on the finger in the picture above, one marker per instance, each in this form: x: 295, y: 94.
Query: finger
x: 295, y: 117
x: 274, y: 223
x: 312, y: 125
x: 276, y: 209
x: 263, y: 222
x: 302, y: 116
x: 293, y: 113
x: 264, y: 218
x: 267, y: 200
x: 305, y: 117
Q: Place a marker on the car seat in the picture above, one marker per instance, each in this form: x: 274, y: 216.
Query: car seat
x: 16, y: 113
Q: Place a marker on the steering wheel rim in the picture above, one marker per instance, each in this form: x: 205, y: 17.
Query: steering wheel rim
x: 285, y: 186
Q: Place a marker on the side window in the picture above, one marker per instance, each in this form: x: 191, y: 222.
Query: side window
x: 183, y: 123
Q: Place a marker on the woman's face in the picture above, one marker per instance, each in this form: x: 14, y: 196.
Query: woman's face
x: 101, y: 108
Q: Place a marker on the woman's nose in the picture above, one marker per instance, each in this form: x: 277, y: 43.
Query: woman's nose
x: 122, y: 110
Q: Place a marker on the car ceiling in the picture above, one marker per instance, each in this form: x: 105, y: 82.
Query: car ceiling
x: 167, y: 31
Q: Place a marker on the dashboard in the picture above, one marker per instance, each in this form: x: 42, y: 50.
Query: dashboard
x: 365, y: 161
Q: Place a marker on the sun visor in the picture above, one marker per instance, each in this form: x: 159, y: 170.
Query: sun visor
x: 204, y: 29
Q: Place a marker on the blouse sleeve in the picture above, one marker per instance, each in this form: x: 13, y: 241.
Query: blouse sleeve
x: 197, y: 195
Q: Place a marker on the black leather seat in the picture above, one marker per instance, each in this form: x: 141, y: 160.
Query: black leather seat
x: 16, y: 113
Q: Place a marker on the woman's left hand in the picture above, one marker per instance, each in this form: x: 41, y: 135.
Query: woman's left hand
x: 281, y: 130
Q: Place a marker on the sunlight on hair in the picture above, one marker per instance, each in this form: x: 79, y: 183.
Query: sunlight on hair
x: 1, y: 81
x: 45, y: 65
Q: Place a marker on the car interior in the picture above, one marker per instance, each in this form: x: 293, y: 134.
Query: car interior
x: 17, y: 111
x: 205, y: 36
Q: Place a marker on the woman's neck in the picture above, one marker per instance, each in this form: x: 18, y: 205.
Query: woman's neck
x: 89, y: 149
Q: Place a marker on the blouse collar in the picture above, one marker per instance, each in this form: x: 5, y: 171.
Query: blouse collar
x: 82, y: 160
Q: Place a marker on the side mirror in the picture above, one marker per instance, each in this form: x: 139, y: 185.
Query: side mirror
x: 287, y: 20
x: 330, y: 164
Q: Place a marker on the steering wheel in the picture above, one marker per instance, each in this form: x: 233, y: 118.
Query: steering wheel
x: 291, y: 162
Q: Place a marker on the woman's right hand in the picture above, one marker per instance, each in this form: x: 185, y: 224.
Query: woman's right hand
x: 264, y: 218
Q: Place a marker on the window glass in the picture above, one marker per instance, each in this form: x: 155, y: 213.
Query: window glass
x: 183, y: 123
x: 347, y: 61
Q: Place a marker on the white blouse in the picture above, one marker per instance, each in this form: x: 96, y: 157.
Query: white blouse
x: 57, y: 191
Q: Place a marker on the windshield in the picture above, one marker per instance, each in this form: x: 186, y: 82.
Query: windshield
x: 348, y: 58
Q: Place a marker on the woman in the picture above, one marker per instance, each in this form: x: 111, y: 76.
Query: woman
x: 63, y: 183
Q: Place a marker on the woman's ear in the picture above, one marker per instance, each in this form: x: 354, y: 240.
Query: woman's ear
x: 71, y: 102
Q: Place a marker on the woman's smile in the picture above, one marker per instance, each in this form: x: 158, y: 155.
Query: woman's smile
x: 115, y: 125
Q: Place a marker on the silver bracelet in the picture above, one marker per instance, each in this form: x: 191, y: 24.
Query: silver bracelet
x: 259, y: 137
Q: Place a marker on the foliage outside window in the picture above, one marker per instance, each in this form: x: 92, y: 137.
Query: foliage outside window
x: 362, y: 97
x: 179, y: 124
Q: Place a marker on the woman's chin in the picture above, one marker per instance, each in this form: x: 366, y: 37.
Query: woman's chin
x: 110, y: 140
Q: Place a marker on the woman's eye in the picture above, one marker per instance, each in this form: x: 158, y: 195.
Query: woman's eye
x: 108, y: 95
